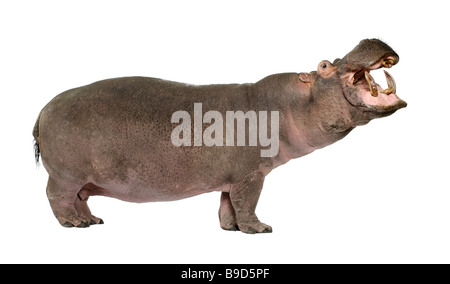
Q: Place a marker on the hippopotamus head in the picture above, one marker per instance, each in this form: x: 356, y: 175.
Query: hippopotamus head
x: 346, y: 90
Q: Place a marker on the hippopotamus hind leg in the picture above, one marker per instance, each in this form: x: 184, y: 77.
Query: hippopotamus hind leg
x: 69, y: 204
x: 81, y: 203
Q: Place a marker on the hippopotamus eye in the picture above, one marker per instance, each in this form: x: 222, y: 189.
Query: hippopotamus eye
x: 326, y: 69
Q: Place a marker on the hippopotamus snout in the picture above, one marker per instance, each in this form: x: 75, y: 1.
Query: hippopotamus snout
x: 367, y: 53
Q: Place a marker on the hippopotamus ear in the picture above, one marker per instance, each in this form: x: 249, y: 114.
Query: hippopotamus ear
x: 306, y: 77
x: 326, y: 69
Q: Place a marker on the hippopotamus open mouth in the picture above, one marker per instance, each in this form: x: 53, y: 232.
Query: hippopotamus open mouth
x: 360, y: 88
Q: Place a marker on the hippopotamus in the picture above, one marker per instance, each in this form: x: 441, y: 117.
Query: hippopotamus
x: 143, y: 139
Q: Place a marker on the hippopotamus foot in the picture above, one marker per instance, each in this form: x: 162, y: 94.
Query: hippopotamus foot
x: 243, y: 198
x: 69, y: 204
x: 255, y: 227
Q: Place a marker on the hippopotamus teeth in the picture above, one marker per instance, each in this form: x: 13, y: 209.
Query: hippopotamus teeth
x: 391, y: 84
x: 372, y: 84
x: 388, y: 62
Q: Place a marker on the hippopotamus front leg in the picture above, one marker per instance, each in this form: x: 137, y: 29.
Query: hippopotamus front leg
x: 227, y: 216
x: 237, y: 208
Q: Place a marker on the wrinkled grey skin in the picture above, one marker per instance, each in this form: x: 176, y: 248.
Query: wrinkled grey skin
x: 113, y: 137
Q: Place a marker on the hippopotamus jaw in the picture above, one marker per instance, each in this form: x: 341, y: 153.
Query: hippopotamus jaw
x: 361, y: 89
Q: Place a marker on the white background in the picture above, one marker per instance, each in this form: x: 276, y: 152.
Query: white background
x: 381, y: 195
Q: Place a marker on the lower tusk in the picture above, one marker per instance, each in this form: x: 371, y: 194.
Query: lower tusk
x: 391, y: 83
x: 372, y: 84
x: 387, y: 91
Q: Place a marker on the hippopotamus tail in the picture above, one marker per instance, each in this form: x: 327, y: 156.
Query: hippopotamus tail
x: 37, y: 151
